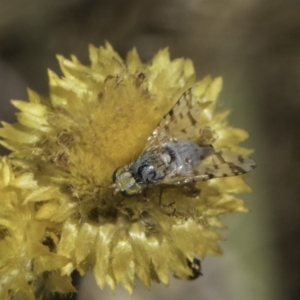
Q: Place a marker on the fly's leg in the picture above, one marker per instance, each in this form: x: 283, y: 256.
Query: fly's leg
x: 191, y: 190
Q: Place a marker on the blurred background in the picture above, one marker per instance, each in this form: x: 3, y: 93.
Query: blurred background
x: 255, y: 46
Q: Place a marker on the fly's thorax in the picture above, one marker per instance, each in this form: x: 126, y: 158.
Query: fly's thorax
x: 150, y: 167
x: 125, y: 182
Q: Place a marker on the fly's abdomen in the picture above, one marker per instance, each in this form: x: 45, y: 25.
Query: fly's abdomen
x: 186, y: 156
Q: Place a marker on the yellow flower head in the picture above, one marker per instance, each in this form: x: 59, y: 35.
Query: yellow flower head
x: 97, y: 119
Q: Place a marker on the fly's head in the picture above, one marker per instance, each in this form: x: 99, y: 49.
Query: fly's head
x: 125, y: 183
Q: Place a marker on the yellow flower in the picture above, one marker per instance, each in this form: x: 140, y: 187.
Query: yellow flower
x: 96, y: 119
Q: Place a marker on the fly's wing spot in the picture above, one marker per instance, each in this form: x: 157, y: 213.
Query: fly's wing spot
x: 241, y: 159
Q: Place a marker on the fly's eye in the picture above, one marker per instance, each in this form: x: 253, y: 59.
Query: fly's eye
x: 117, y: 174
x: 132, y: 191
x: 127, y: 193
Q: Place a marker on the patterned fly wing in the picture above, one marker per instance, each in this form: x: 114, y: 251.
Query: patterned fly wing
x: 180, y: 122
x: 224, y: 164
x: 214, y: 164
